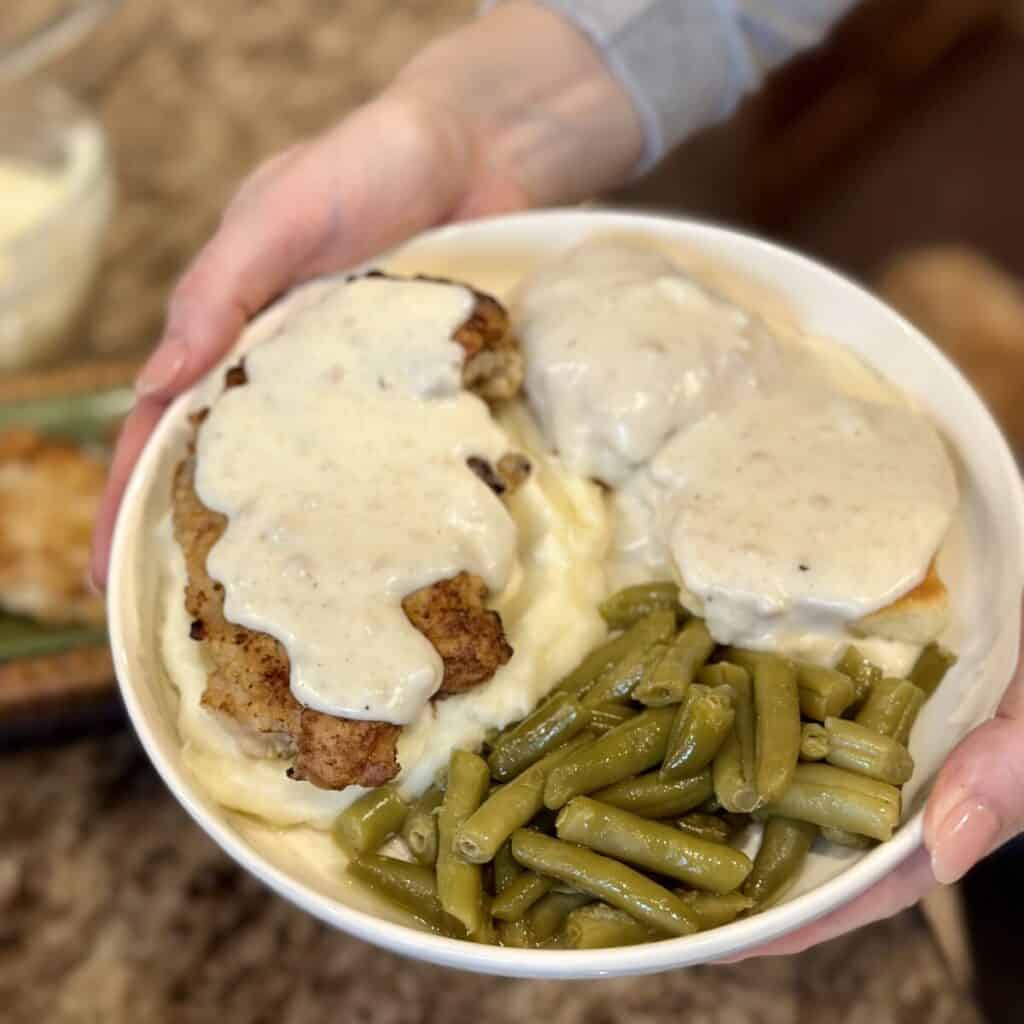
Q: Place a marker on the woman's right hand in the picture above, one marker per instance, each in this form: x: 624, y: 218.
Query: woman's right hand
x: 510, y: 111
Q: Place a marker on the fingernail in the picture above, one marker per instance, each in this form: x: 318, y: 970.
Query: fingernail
x: 163, y: 369
x: 966, y: 835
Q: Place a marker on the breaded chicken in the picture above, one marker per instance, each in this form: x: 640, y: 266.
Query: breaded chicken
x: 49, y: 493
x: 248, y: 680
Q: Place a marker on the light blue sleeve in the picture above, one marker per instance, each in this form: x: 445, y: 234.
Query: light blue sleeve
x: 688, y: 63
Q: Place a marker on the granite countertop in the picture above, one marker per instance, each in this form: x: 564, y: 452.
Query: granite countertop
x: 114, y: 907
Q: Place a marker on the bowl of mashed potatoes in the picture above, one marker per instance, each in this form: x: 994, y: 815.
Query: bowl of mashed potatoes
x: 648, y: 398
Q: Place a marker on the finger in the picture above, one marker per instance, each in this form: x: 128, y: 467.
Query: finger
x: 387, y: 171
x: 138, y: 425
x: 978, y: 800
x: 900, y: 889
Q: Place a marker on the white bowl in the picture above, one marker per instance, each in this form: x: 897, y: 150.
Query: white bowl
x: 985, y: 573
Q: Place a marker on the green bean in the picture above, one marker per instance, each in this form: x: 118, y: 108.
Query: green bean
x: 849, y: 809
x: 515, y: 934
x: 723, y: 673
x: 705, y: 826
x: 367, y: 822
x: 581, y: 678
x: 512, y: 806
x: 861, y: 671
x: 859, y: 749
x: 459, y: 883
x: 781, y: 855
x: 548, y: 914
x: 519, y: 895
x: 646, y: 649
x: 649, y: 797
x: 552, y: 724
x: 631, y: 604
x: 626, y: 750
x: 891, y: 708
x: 604, y: 879
x: 777, y: 707
x: 733, y: 790
x: 712, y: 910
x: 814, y: 742
x: 605, y: 717
x: 838, y: 778
x: 412, y: 887
x: 669, y: 680
x: 746, y: 726
x: 823, y: 691
x: 599, y: 926
x: 506, y: 869
x: 703, y: 721
x: 649, y: 844
x: 931, y: 667
x: 849, y: 839
x: 420, y: 828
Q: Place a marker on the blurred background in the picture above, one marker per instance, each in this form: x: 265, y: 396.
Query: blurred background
x: 895, y: 152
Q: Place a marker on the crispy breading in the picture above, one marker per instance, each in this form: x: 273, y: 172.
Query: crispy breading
x: 49, y: 494
x: 248, y: 681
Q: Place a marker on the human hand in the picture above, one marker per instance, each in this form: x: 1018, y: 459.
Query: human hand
x: 513, y: 110
x: 977, y: 804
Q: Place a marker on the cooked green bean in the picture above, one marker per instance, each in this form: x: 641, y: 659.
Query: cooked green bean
x: 705, y: 826
x: 412, y: 887
x: 581, y: 678
x: 818, y: 774
x: 669, y: 680
x: 420, y: 828
x: 506, y: 869
x: 548, y: 914
x: 777, y: 708
x: 605, y: 717
x: 723, y: 673
x: 891, y: 708
x: 552, y: 724
x: 746, y: 727
x: 459, y: 883
x: 649, y: 797
x: 515, y: 934
x: 849, y: 839
x: 931, y: 667
x: 519, y: 895
x: 513, y: 805
x: 631, y: 604
x: 859, y: 749
x: 814, y: 742
x: 781, y: 855
x: 599, y: 926
x: 823, y: 691
x: 849, y: 809
x: 733, y: 790
x: 713, y: 909
x: 661, y: 848
x: 861, y: 671
x: 703, y: 721
x: 367, y: 822
x: 645, y: 650
x: 604, y: 879
x: 626, y: 750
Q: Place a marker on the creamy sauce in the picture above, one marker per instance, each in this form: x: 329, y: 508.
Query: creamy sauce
x: 623, y: 350
x: 549, y: 613
x: 788, y: 489
x: 28, y: 193
x: 342, y: 470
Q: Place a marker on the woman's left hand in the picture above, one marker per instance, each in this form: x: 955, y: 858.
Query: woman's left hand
x: 976, y: 806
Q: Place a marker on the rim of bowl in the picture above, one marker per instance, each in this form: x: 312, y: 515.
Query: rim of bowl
x: 410, y: 941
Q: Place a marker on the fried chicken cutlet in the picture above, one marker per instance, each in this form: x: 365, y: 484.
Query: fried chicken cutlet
x: 248, y: 684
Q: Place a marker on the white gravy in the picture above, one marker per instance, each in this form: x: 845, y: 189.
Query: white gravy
x: 623, y: 350
x: 364, y: 436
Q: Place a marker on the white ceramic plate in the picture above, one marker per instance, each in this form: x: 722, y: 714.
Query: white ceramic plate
x: 984, y: 570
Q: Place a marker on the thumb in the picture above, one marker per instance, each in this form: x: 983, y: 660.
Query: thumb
x: 978, y: 800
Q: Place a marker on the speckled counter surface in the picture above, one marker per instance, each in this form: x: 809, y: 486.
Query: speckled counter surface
x: 116, y: 909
